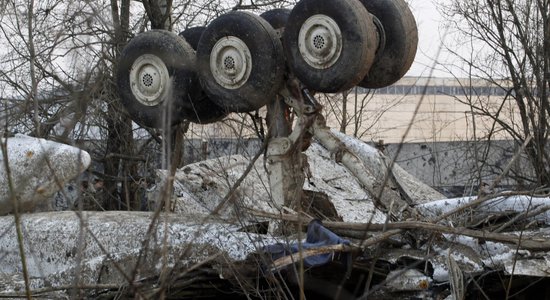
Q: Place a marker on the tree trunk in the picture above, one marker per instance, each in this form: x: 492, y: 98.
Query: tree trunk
x: 119, y: 174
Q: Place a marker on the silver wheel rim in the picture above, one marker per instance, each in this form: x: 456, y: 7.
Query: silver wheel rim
x: 149, y: 79
x: 320, y: 41
x: 230, y: 62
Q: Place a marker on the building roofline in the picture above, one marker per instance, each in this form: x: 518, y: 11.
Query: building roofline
x: 448, y: 81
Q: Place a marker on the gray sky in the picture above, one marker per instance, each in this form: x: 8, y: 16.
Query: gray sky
x: 428, y: 20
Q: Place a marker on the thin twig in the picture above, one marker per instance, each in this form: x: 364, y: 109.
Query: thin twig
x: 300, y: 255
x: 524, y: 243
x: 524, y: 215
x: 17, y: 216
x: 237, y: 183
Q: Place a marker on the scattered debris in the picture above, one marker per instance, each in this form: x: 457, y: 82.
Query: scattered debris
x: 201, y: 187
x: 449, y: 248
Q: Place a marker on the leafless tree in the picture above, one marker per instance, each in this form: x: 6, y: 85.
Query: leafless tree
x: 356, y: 112
x: 509, y: 48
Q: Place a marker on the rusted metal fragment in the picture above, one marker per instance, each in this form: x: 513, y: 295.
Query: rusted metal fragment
x: 407, y: 280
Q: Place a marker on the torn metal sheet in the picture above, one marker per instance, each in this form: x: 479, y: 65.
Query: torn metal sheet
x: 472, y: 256
x: 515, y: 203
x: 200, y: 187
x: 537, y: 267
x: 63, y: 248
x: 378, y: 163
x: 468, y: 259
x: 37, y: 168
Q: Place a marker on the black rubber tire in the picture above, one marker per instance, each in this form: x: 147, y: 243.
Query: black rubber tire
x: 277, y: 18
x: 193, y: 35
x: 180, y: 62
x: 401, y: 36
x: 267, y: 67
x: 359, y: 44
x: 198, y: 108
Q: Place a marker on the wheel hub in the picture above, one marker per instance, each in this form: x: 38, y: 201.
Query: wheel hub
x: 230, y: 62
x: 149, y: 79
x: 320, y: 41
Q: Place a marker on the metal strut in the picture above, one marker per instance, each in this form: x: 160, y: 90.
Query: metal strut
x: 287, y: 165
x: 286, y: 162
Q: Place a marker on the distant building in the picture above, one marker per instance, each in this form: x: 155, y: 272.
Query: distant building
x: 442, y: 104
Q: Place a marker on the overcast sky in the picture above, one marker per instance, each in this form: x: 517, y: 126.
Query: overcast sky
x: 428, y: 21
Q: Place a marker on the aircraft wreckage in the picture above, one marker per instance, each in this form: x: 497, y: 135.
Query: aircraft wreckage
x: 320, y: 215
x: 243, y: 250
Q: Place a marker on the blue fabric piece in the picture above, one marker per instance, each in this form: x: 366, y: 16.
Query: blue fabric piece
x: 317, y: 236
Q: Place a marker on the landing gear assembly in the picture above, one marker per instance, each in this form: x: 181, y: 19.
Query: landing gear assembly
x: 241, y: 62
